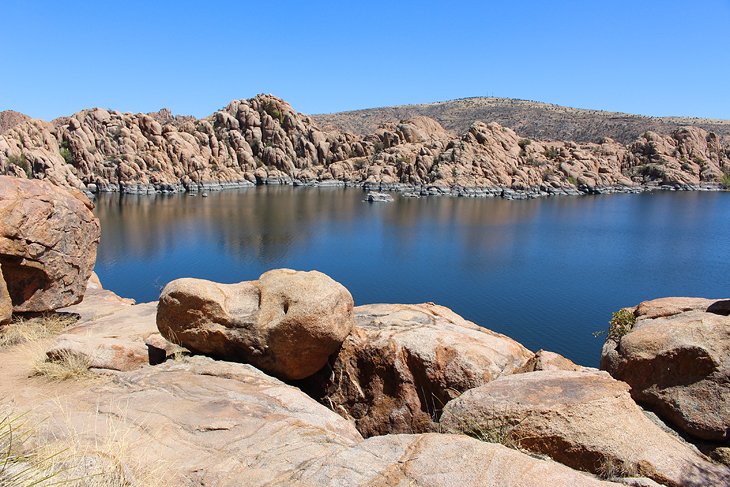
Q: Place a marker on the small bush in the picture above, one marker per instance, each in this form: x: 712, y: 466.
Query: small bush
x: 524, y: 143
x: 65, y: 151
x: 552, y: 152
x: 725, y: 181
x: 360, y: 164
x: 622, y: 321
x: 572, y: 180
x: 22, y: 162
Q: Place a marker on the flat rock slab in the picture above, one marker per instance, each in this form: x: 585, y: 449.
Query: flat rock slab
x: 584, y: 419
x: 113, y: 341
x: 210, y: 423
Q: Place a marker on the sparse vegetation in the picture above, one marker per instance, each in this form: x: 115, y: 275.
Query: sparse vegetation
x: 725, y: 180
x: 20, y: 466
x: 25, y: 330
x: 552, y: 153
x: 378, y: 147
x: 611, y: 469
x: 22, y: 162
x: 65, y: 151
x: 360, y: 164
x: 572, y: 180
x: 622, y: 321
x: 523, y: 143
x: 64, y: 366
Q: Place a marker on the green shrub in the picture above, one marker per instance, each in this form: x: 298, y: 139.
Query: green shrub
x: 572, y: 180
x: 725, y: 180
x: 552, y: 152
x: 524, y: 143
x: 622, y: 321
x: 22, y: 162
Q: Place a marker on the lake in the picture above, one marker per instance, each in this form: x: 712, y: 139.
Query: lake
x: 546, y: 272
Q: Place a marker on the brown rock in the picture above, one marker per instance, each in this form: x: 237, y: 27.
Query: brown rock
x: 287, y: 323
x: 545, y: 360
x: 403, y: 363
x: 676, y: 359
x: 48, y: 239
x: 435, y: 460
x: 6, y: 305
x: 115, y: 341
x: 585, y: 420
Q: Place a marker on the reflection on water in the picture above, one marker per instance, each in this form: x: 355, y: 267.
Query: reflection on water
x: 546, y: 272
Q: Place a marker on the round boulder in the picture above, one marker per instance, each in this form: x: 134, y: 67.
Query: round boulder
x: 287, y: 323
x: 48, y: 240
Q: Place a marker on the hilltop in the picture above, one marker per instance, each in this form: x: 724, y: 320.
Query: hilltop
x: 531, y: 119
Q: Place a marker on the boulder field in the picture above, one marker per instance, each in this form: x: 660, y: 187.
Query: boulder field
x: 283, y: 381
x: 263, y: 140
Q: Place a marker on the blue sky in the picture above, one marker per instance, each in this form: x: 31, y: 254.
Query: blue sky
x: 649, y: 57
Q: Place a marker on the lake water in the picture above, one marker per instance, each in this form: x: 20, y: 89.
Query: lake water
x: 547, y: 272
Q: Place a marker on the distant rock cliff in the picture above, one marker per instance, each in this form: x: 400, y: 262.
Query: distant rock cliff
x: 264, y: 141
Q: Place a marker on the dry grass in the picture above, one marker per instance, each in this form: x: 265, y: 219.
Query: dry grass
x: 614, y: 469
x: 27, y: 330
x: 99, y: 454
x: 64, y: 366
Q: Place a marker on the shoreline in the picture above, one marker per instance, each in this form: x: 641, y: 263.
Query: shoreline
x: 405, y: 189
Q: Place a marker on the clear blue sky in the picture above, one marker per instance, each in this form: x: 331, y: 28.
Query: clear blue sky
x: 650, y: 57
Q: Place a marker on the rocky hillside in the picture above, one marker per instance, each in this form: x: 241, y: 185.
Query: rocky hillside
x: 537, y: 120
x: 10, y: 118
x: 264, y: 141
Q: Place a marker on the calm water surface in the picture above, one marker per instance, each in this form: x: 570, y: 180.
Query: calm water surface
x: 546, y: 272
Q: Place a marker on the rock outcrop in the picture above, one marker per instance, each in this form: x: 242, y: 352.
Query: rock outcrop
x: 48, y: 240
x: 287, y: 323
x: 402, y: 363
x: 6, y: 304
x: 586, y: 420
x: 676, y: 359
x: 264, y: 141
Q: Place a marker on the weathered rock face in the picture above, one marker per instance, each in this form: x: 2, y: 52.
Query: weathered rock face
x: 583, y: 419
x: 545, y: 360
x: 6, y: 304
x: 216, y: 423
x: 676, y: 359
x: 263, y: 140
x: 402, y: 363
x: 48, y: 240
x: 287, y: 323
x: 436, y: 460
x: 115, y: 341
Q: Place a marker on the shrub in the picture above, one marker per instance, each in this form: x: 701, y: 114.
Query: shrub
x: 22, y: 162
x: 524, y: 143
x: 622, y: 321
x: 725, y: 181
x: 65, y: 366
x: 65, y: 151
x: 552, y: 152
x: 572, y: 180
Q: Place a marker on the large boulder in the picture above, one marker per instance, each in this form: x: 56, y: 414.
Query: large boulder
x: 6, y: 304
x: 676, y: 358
x: 402, y: 363
x: 286, y: 323
x: 48, y: 240
x: 584, y: 419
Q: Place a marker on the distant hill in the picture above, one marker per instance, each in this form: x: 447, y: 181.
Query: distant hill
x: 532, y: 119
x: 11, y: 118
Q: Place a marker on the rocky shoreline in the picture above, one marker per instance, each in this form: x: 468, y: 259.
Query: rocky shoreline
x: 283, y: 381
x: 263, y: 140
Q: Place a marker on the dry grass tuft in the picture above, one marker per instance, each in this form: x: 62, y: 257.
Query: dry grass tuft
x: 64, y: 366
x: 28, y: 330
x: 611, y: 469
